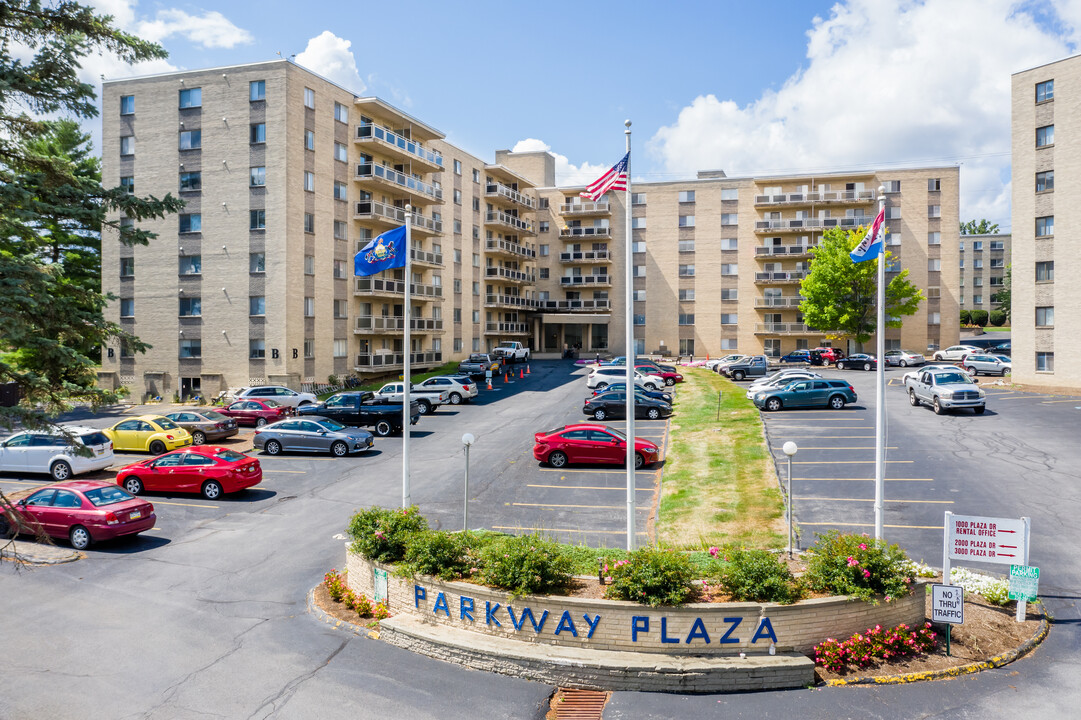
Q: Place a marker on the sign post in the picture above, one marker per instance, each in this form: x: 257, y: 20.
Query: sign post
x: 948, y: 606
x: 1024, y: 584
x: 1004, y: 541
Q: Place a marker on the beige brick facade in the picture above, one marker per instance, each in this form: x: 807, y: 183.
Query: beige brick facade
x: 984, y: 261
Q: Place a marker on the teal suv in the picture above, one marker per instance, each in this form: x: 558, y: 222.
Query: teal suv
x: 806, y: 393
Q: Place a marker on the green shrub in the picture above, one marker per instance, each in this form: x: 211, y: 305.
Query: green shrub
x: 653, y: 577
x: 979, y: 317
x: 966, y: 317
x: 844, y: 564
x: 380, y: 534
x: 445, y: 555
x: 997, y: 318
x: 757, y: 576
x: 526, y: 565
x: 332, y: 380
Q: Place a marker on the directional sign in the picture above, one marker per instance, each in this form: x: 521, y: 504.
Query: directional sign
x: 986, y: 539
x: 947, y: 604
x: 1024, y: 582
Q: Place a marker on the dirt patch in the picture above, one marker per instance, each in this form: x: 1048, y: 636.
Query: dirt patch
x: 338, y: 610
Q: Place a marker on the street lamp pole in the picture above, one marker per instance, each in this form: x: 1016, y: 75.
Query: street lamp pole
x: 790, y: 448
x: 467, y: 440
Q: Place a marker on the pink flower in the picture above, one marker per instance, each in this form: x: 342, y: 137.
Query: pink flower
x: 866, y: 573
x: 714, y: 550
x: 863, y: 546
x: 852, y: 562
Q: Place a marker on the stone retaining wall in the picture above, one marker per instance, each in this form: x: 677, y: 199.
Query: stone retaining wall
x: 694, y: 629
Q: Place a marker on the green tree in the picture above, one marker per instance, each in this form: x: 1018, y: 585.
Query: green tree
x: 53, y: 207
x: 1002, y: 297
x: 839, y: 295
x: 983, y: 227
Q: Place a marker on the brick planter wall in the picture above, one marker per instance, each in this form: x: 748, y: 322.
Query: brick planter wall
x: 694, y: 629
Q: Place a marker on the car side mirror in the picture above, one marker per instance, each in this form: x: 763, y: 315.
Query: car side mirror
x: 22, y: 503
x: 975, y: 381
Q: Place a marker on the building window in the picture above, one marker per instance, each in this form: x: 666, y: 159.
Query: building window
x: 309, y: 98
x: 934, y: 211
x: 257, y: 349
x: 309, y: 140
x: 191, y: 97
x: 977, y: 299
x: 257, y: 262
x: 729, y: 294
x: 127, y: 104
x: 191, y: 348
x: 1045, y: 316
x: 341, y: 113
x: 686, y: 220
x: 339, y: 191
x: 309, y: 307
x: 476, y: 316
x: 127, y: 145
x: 934, y: 318
x: 934, y: 238
x: 457, y: 285
x: 309, y: 181
x: 191, y: 181
x: 258, y: 176
x: 686, y: 270
x: 457, y: 197
x: 1045, y: 91
x: 934, y: 292
x: 457, y: 167
x: 543, y: 273
x: 686, y: 245
x: 686, y: 346
x: 191, y: 139
x: 729, y: 269
x: 686, y: 318
x: 685, y: 295
x: 1045, y: 226
x: 191, y: 264
x: 998, y: 263
x: 257, y: 220
x: 729, y: 219
x: 638, y: 247
x: 191, y: 222
x: 894, y: 212
x: 341, y: 347
x: 639, y: 319
x: 729, y: 318
x: 729, y: 194
x: 191, y: 307
x: 257, y: 90
x: 127, y: 267
x: 341, y: 230
x: 638, y: 223
x: 127, y: 307
x: 934, y: 265
x: 544, y: 226
x: 339, y: 269
x: 340, y: 309
x: 729, y: 344
x: 1045, y: 271
x: 476, y: 260
x: 977, y: 245
x: 128, y: 184
x: 638, y: 198
x: 457, y: 227
x: 309, y: 348
x: 309, y: 264
x: 543, y: 250
x: 977, y: 264
x: 258, y: 133
x: 686, y: 196
x: 341, y: 154
x: 1045, y: 362
x: 934, y: 184
x: 639, y: 271
x: 729, y: 244
x: 639, y: 296
x: 1045, y: 181
x: 257, y: 305
x: 1045, y: 136
x: 892, y: 186
x: 309, y: 223
x: 476, y: 204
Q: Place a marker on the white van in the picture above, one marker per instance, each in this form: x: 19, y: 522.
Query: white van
x: 48, y: 451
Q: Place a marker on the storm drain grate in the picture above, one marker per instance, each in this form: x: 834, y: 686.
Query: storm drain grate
x: 570, y: 704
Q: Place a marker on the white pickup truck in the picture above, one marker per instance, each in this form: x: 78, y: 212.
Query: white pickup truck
x: 512, y: 352
x: 428, y: 399
x: 945, y: 390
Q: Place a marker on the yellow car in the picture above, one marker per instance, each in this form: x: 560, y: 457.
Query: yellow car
x: 148, y: 433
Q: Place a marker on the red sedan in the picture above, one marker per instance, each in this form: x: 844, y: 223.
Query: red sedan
x: 83, y: 511
x: 206, y: 469
x: 589, y: 443
x: 256, y: 412
x: 671, y: 377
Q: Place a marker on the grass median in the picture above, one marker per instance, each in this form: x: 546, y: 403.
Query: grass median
x: 720, y: 485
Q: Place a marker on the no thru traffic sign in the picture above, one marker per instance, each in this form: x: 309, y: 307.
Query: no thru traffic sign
x: 947, y: 604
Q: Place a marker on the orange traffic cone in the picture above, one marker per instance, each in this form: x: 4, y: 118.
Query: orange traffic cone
x: 527, y: 369
x: 506, y: 378
x: 521, y: 375
x: 489, y: 382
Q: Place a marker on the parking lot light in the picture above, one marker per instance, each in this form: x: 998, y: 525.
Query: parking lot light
x: 467, y: 441
x: 790, y: 448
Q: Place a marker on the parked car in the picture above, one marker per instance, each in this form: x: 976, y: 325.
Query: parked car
x: 205, y: 425
x: 904, y: 358
x: 778, y: 381
x: 945, y: 390
x: 312, y: 433
x: 256, y: 412
x: 829, y: 355
x: 806, y: 393
x: 479, y: 364
x: 913, y: 374
x: 655, y: 394
x: 459, y: 388
x: 752, y: 366
x: 988, y: 365
x: 613, y: 405
x: 589, y: 443
x: 984, y: 344
x: 148, y: 433
x: 956, y: 352
x: 796, y: 356
x: 206, y: 469
x: 83, y: 511
x: 667, y: 373
x: 794, y: 373
x: 603, y: 376
x: 712, y: 363
x: 359, y: 408
x: 428, y: 398
x: 858, y: 361
x: 278, y: 393
x: 512, y: 352
x: 55, y: 451
x: 1002, y: 348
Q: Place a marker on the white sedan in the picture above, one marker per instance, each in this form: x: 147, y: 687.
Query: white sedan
x: 779, y: 380
x: 604, y: 376
x: 956, y: 352
x: 459, y: 388
x: 278, y: 393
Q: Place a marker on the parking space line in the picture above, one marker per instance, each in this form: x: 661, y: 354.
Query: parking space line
x: 801, y: 479
x: 1022, y: 397
x: 590, y: 487
x: 590, y: 507
x: 841, y: 524
x: 844, y: 462
x: 295, y: 472
x: 804, y: 427
x: 926, y: 502
x: 835, y: 437
x: 23, y: 482
x: 861, y: 447
x: 1052, y: 402
x: 167, y: 502
x: 562, y: 530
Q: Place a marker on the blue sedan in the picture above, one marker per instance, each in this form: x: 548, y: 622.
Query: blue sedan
x: 806, y: 393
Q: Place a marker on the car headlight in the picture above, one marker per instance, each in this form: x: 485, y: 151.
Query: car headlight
x: 759, y: 396
x: 947, y: 394
x: 982, y: 393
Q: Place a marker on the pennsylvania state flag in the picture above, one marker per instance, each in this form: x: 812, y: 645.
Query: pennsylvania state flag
x: 386, y: 252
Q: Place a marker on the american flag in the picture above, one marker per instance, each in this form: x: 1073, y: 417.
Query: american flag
x: 614, y: 179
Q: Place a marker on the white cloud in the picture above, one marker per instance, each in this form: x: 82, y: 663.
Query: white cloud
x: 566, y: 173
x: 329, y: 56
x: 885, y: 84
x: 211, y: 29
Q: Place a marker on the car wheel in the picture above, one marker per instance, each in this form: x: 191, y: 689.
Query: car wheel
x: 60, y: 470
x: 738, y: 375
x: 273, y: 447
x: 837, y: 402
x: 383, y: 428
x: 6, y: 531
x: 773, y: 404
x: 938, y: 356
x: 653, y: 413
x: 903, y: 363
x: 840, y: 366
x: 198, y: 438
x: 557, y: 459
x: 339, y: 449
x: 939, y: 410
x: 157, y: 447
x: 1006, y: 372
x: 79, y: 537
x: 260, y: 422
x: 305, y: 402
x: 669, y: 381
x: 602, y: 386
x: 866, y: 366
x: 912, y: 399
x: 424, y: 407
x: 979, y: 410
x: 972, y: 371
x: 212, y: 490
x: 639, y: 461
x: 133, y: 485
x: 455, y: 398
x: 599, y: 414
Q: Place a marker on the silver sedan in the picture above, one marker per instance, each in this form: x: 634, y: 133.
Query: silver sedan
x: 988, y: 365
x: 904, y: 358
x: 311, y: 433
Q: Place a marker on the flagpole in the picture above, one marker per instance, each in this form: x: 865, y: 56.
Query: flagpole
x: 880, y: 378
x: 406, y: 499
x: 629, y: 350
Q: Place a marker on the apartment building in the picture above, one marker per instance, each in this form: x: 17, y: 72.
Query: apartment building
x: 1044, y: 141
x: 984, y: 261
x: 286, y: 176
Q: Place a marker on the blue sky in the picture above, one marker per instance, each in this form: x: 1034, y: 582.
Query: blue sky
x: 750, y: 87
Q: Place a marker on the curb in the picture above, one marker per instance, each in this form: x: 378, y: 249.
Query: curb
x: 996, y: 662
x: 324, y: 617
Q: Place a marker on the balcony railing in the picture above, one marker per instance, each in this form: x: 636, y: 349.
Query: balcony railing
x: 767, y: 277
x: 586, y: 208
x: 366, y: 171
x: 576, y: 232
x: 498, y: 217
x: 811, y: 223
x: 367, y: 131
x: 507, y: 328
x: 782, y: 328
x: 850, y: 196
x: 390, y: 361
x: 771, y: 250
x: 573, y: 305
x: 585, y: 280
x: 501, y: 190
x: 778, y: 302
x: 395, y: 215
x: 384, y: 324
x: 380, y: 286
x: 498, y: 245
x: 585, y: 256
x: 510, y: 300
x: 427, y: 256
x: 509, y: 274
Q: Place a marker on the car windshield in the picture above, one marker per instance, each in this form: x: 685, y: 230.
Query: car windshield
x: 230, y: 455
x: 166, y: 424
x: 270, y: 403
x: 954, y: 378
x: 332, y: 425
x: 616, y: 433
x: 477, y: 358
x: 214, y: 415
x: 1002, y: 358
x: 94, y: 438
x: 107, y: 495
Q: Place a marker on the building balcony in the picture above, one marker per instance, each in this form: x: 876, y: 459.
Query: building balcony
x: 586, y: 208
x: 381, y: 363
x: 779, y: 277
x: 591, y: 280
x: 573, y: 305
x: 506, y: 328
x: 509, y: 301
x: 380, y: 287
x: 392, y: 217
x: 574, y: 233
x: 383, y: 178
x: 506, y: 247
x: 768, y: 251
x: 499, y: 190
x: 804, y: 224
x: 393, y: 144
x: 502, y: 219
x: 850, y: 197
x: 510, y: 275
x: 390, y: 325
x: 778, y: 302
x: 585, y: 256
x: 783, y: 329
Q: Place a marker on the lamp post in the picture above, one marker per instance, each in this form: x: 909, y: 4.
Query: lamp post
x: 467, y: 440
x: 790, y: 448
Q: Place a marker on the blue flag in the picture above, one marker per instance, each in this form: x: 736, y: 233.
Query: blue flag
x: 873, y: 242
x: 386, y: 252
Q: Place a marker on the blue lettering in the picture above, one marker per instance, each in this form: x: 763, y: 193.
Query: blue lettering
x: 441, y: 604
x: 734, y: 623
x: 664, y: 632
x: 565, y: 623
x: 527, y: 612
x: 592, y: 623
x: 466, y: 608
x: 765, y: 630
x: 639, y: 623
x: 489, y: 613
x: 698, y: 631
x: 419, y: 594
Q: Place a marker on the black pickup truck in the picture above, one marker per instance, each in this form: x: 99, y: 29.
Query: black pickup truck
x: 363, y: 410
